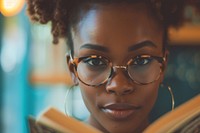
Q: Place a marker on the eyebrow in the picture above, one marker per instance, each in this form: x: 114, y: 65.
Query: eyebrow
x: 134, y: 47
x: 139, y: 45
x: 95, y: 47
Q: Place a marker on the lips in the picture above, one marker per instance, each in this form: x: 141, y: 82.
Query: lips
x: 120, y: 111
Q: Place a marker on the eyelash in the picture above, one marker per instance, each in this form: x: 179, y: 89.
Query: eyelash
x: 148, y: 60
x: 145, y: 61
x: 87, y: 60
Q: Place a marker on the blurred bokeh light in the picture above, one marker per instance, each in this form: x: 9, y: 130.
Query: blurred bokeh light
x: 11, y: 7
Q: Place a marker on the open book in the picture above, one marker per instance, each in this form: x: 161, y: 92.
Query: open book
x: 184, y: 119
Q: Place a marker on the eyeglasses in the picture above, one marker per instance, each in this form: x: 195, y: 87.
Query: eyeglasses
x: 95, y: 70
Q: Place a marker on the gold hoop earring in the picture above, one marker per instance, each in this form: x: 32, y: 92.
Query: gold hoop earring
x: 66, y: 103
x: 172, y: 96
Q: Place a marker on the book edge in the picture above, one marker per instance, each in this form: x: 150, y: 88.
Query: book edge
x: 166, y: 119
x: 45, y: 119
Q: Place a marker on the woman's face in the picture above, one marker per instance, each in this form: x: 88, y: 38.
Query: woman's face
x: 119, y: 32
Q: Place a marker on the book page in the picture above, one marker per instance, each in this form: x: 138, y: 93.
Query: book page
x: 57, y: 120
x: 176, y: 118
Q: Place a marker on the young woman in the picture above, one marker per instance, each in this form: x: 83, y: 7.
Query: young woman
x: 117, y: 56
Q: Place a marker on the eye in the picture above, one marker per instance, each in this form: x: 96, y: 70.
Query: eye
x: 95, y: 61
x: 142, y: 61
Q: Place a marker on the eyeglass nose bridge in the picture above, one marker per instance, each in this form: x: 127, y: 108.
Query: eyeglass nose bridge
x: 120, y: 67
x: 114, y: 72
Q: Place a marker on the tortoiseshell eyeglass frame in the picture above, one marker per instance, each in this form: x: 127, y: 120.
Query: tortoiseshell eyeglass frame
x: 75, y: 61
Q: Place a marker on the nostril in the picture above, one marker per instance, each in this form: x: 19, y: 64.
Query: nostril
x: 111, y: 91
x: 128, y: 91
x: 120, y: 92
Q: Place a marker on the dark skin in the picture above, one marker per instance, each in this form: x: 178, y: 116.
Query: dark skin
x: 119, y: 32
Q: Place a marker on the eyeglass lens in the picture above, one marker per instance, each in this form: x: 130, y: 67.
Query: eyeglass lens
x: 94, y: 71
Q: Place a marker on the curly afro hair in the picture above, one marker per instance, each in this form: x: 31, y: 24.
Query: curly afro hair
x: 63, y: 14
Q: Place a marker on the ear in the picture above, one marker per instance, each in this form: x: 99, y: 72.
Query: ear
x: 166, y: 55
x: 72, y: 70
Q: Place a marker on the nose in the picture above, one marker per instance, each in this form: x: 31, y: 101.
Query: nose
x: 120, y: 84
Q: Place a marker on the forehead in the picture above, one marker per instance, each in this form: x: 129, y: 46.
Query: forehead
x: 120, y: 24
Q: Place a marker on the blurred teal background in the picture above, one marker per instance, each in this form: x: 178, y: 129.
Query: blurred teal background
x: 33, y: 74
x: 28, y: 62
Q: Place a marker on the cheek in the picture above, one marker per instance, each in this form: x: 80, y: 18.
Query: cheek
x: 89, y: 95
x: 149, y: 95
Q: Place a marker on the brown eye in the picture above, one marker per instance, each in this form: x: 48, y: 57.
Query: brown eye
x: 142, y: 61
x: 95, y: 62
